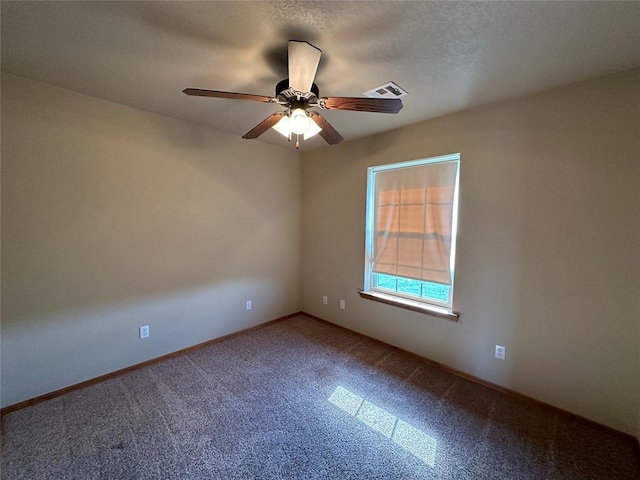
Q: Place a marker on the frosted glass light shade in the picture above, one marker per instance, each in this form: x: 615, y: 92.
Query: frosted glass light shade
x: 283, y: 126
x: 299, y: 121
x: 312, y: 130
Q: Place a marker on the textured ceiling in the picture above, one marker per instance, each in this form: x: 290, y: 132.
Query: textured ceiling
x: 447, y: 55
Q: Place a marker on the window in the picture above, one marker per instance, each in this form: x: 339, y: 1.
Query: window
x: 411, y: 234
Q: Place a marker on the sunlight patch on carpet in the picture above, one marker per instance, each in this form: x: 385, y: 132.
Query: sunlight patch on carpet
x: 412, y: 439
x: 377, y: 418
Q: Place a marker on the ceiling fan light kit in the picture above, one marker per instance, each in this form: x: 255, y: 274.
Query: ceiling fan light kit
x: 299, y: 123
x: 298, y: 94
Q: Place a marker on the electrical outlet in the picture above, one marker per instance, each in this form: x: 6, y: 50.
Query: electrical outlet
x: 248, y: 305
x: 144, y: 331
x: 325, y: 300
x: 343, y: 305
x: 501, y: 352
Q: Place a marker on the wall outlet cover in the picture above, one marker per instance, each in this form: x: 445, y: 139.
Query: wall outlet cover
x: 144, y: 331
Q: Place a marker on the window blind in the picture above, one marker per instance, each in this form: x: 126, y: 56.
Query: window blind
x: 413, y: 221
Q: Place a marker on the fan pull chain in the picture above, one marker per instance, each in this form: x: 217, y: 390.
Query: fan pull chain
x: 297, y: 142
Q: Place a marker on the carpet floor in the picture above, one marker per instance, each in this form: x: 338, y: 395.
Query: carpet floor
x: 301, y: 399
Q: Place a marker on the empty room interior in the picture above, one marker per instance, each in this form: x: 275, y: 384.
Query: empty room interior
x: 421, y: 261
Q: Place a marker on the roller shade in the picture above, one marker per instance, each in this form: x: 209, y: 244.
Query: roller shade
x: 413, y: 221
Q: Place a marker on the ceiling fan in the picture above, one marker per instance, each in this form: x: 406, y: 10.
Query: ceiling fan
x: 298, y: 94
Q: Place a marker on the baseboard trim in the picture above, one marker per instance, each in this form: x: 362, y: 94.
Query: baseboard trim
x: 632, y: 440
x: 137, y: 366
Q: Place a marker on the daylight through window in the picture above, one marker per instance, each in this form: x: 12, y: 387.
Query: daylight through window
x: 411, y: 229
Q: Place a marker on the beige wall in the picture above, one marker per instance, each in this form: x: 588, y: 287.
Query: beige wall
x: 547, y: 258
x: 114, y: 218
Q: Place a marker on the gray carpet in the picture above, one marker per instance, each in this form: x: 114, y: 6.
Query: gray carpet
x: 301, y: 399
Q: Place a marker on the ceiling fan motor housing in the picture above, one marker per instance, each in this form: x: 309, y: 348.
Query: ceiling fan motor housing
x: 293, y: 98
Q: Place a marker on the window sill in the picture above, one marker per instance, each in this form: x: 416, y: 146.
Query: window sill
x: 411, y: 305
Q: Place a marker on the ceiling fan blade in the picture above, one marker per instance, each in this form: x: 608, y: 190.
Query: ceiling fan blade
x: 263, y: 126
x: 328, y: 133
x: 239, y: 96
x: 303, y: 63
x: 378, y: 105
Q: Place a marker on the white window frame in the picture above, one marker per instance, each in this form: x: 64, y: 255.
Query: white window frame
x: 412, y: 302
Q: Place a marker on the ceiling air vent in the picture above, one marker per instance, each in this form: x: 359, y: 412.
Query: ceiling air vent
x: 388, y: 90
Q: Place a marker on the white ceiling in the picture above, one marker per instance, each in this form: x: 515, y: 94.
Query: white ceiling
x: 448, y: 55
